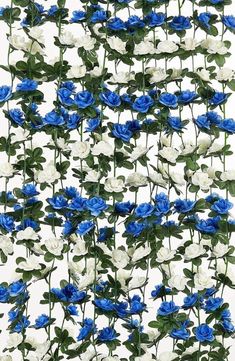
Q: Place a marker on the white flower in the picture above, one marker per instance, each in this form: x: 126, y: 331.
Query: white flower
x: 86, y: 280
x: 220, y: 250
x: 96, y: 71
x: 92, y: 176
x: 66, y: 38
x: 76, y: 71
x: 6, y: 169
x: 54, y: 246
x: 86, y: 41
x: 117, y: 44
x: 165, y: 140
x: 14, y: 340
x: 157, y: 179
x: 224, y: 74
x: 202, y: 180
x: 164, y: 254
x: 36, y: 33
x: 157, y: 75
x: 228, y: 269
x: 144, y: 47
x: 27, y: 233
x: 177, y: 177
x: 121, y: 77
x: 80, y: 248
x: 111, y: 358
x: 114, y: 185
x: 190, y: 350
x: 214, y: 46
x: 18, y: 42
x: 203, y: 145
x: 178, y: 282
x: 215, y: 147
x: 228, y: 175
x: 146, y: 357
x: 136, y: 282
x: 167, y: 46
x: 138, y: 152
x: 194, y: 250
x: 30, y: 264
x: 20, y: 135
x: 123, y: 275
x: 80, y: 149
x: 167, y: 356
x: 153, y: 334
x: 204, y: 74
x: 188, y: 148
x: 176, y: 73
x: 6, y: 358
x: 203, y: 280
x: 48, y: 175
x: 102, y: 147
x: 6, y: 245
x: 189, y: 44
x: 136, y: 180
x: 120, y: 258
x: 211, y: 172
x: 140, y: 252
x: 169, y: 153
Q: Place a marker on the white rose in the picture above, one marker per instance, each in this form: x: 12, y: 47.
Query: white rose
x: 37, y: 33
x: 48, y: 175
x: 117, y: 44
x: 215, y: 147
x: 204, y: 74
x: 114, y: 185
x: 136, y: 282
x: 189, y: 44
x: 169, y: 153
x: 102, y: 147
x: 6, y: 245
x: 202, y: 280
x: 188, y: 148
x: 88, y: 355
x: 167, y: 356
x: 66, y: 38
x: 167, y: 46
x: 19, y: 135
x: 77, y: 71
x: 111, y: 358
x: 96, y: 71
x: 145, y: 357
x: 211, y: 172
x: 190, y: 350
x: 224, y: 74
x: 6, y: 169
x: 27, y: 233
x: 92, y: 176
x: 14, y: 340
x: 80, y: 149
x: 153, y: 334
x: 178, y: 282
x: 138, y: 152
x: 86, y: 280
x: 214, y: 46
x: 164, y: 254
x: 86, y: 42
x: 220, y: 250
x: 121, y: 77
x: 176, y: 73
x: 140, y: 252
x: 157, y: 178
x: 228, y: 175
x: 18, y: 42
x: 165, y: 140
x: 6, y: 358
x: 144, y: 47
x: 30, y: 264
x: 80, y: 248
x: 158, y: 75
x: 193, y: 251
x: 54, y: 246
x: 120, y: 258
x: 222, y: 268
x: 203, y: 145
x: 136, y: 180
x: 202, y: 180
x: 177, y: 178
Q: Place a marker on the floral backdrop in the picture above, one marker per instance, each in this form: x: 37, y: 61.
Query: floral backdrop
x: 117, y: 180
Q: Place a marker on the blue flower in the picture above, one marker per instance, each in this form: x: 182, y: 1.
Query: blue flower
x: 69, y: 293
x: 42, y: 321
x: 53, y: 118
x: 134, y: 22
x: 7, y: 222
x: 218, y: 98
x: 121, y: 309
x: 204, y: 19
x: 175, y: 123
x: 107, y: 334
x: 87, y: 329
x: 180, y: 23
x: 162, y: 204
x: 186, y: 97
x: 98, y: 16
x: 222, y: 206
x: 27, y: 85
x: 204, y: 333
x: 228, y: 326
x: 27, y: 222
x: 96, y: 205
x: 122, y: 131
x: 52, y: 10
x: 124, y: 208
x: 213, y: 117
x: 144, y: 210
x: 133, y: 125
x: 92, y: 124
x: 208, y: 226
x: 116, y: 24
x: 225, y: 315
x: 16, y: 288
x: 4, y: 294
x: 168, y: 100
x: 5, y: 93
x: 77, y: 203
x: 215, y: 2
x: 72, y: 121
x: 184, y: 206
x: 71, y: 192
x: 13, y: 315
x: 167, y: 308
x: 64, y: 96
x: 154, y: 19
x: 17, y: 116
x: 29, y: 190
x: 160, y: 290
x: 58, y: 202
x: 104, y: 304
x: 78, y: 15
x: 213, y: 304
x: 21, y: 324
x: 229, y: 21
x: 180, y: 334
x: 203, y: 122
x: 84, y: 99
x: 190, y: 300
x: 105, y: 233
x: 109, y: 98
x: 135, y: 228
x: 72, y: 310
x: 136, y: 306
x: 143, y: 103
x: 85, y: 227
x: 228, y: 125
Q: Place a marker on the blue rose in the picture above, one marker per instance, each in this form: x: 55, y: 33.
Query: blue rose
x: 111, y: 99
x: 104, y: 304
x: 160, y: 290
x: 190, y: 300
x: 78, y: 15
x: 53, y: 118
x: 229, y: 21
x: 126, y: 98
x: 92, y: 124
x: 134, y: 22
x: 208, y: 226
x: 124, y: 208
x: 135, y: 228
x: 136, y: 306
x: 72, y: 121
x: 180, y: 23
x: 162, y: 204
x: 107, y: 334
x: 42, y: 321
x: 228, y: 125
x: 69, y: 293
x: 215, y: 2
x: 105, y: 233
x: 84, y: 99
x: 210, y: 292
x: 96, y: 205
x: 5, y: 93
x: 16, y: 288
x: 214, y: 117
x: 77, y: 203
x: 58, y: 202
x: 144, y: 210
x: 17, y: 116
x: 180, y: 334
x: 218, y: 98
x: 228, y: 326
x: 133, y: 125
x: 13, y: 315
x: 87, y: 329
x: 175, y: 123
x: 29, y: 190
x: 167, y: 308
x: 203, y: 122
x: 186, y: 97
x: 4, y: 294
x: 21, y: 325
x: 27, y: 85
x: 184, y: 205
x: 85, y: 227
x: 52, y: 10
x: 116, y: 24
x: 204, y: 333
x: 98, y: 16
x: 64, y: 96
x: 213, y: 304
x: 168, y: 100
x: 154, y: 19
x: 7, y: 222
x: 222, y: 206
x: 143, y: 103
x: 71, y: 192
x: 122, y: 131
x: 121, y: 309
x: 27, y: 222
x: 204, y: 19
x: 72, y: 310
